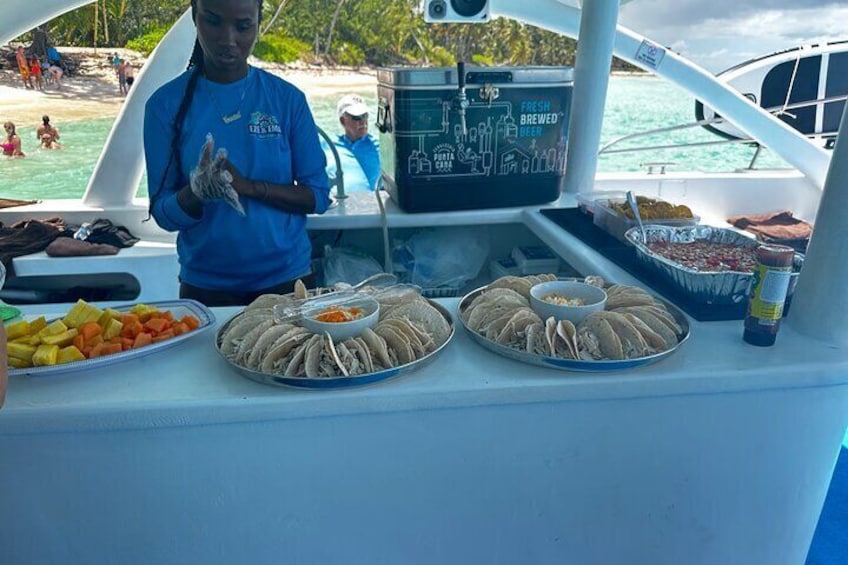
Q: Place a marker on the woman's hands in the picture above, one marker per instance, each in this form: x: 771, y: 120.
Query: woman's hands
x: 212, y: 179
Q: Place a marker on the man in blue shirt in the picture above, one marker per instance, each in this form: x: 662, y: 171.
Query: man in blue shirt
x: 353, y: 115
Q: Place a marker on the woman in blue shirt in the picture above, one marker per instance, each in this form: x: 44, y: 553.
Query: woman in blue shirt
x: 240, y: 216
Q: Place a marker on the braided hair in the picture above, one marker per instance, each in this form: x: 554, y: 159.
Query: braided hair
x: 195, y: 63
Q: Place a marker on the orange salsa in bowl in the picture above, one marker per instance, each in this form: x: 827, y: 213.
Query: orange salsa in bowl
x: 337, y: 314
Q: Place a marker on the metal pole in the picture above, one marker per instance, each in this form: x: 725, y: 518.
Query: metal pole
x: 591, y: 79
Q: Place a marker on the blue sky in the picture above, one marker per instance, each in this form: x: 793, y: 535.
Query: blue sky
x: 717, y: 34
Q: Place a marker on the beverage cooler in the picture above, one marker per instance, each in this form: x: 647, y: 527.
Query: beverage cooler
x: 498, y: 139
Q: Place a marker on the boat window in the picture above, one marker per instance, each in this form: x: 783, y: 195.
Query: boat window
x: 804, y: 88
x: 837, y: 85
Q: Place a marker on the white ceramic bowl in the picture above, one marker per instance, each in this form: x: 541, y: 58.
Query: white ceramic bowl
x: 594, y: 299
x: 340, y: 331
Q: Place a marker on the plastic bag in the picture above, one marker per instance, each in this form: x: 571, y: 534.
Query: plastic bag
x: 348, y: 266
x: 447, y: 257
x: 211, y: 180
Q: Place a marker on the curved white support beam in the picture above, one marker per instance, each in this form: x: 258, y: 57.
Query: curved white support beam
x: 20, y: 16
x: 112, y: 185
x: 793, y: 147
x: 820, y: 304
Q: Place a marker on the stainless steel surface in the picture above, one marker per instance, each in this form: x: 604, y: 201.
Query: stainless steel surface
x: 711, y: 287
x: 178, y: 307
x: 319, y: 383
x: 577, y: 365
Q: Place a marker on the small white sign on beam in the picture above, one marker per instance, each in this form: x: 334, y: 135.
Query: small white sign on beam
x: 650, y: 54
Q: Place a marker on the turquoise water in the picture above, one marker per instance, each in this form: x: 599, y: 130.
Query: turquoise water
x: 634, y: 104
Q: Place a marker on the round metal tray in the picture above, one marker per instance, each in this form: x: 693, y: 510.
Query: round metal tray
x: 574, y: 364
x: 318, y: 383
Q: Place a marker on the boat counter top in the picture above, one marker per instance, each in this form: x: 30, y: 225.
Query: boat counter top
x: 191, y: 384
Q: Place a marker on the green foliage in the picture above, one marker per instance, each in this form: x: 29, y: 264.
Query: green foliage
x: 147, y: 43
x: 441, y: 57
x: 482, y: 60
x: 345, y: 53
x: 278, y: 48
x: 373, y: 32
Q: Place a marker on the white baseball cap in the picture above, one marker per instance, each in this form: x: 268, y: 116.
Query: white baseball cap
x: 352, y: 104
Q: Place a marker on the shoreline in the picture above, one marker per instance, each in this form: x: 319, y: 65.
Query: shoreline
x: 92, y: 93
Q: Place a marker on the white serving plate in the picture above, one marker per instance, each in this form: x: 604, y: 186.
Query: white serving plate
x: 179, y: 308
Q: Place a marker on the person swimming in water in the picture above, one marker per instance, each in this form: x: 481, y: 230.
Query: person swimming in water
x: 12, y: 145
x: 47, y: 134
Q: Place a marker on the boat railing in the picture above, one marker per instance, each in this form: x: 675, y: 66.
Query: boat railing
x: 607, y: 149
x: 338, y: 181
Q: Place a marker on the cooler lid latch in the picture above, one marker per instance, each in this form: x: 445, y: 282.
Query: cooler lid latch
x: 489, y: 93
x: 384, y: 116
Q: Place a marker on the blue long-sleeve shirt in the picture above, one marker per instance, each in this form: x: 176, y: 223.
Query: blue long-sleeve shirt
x: 275, y: 141
x: 366, y: 149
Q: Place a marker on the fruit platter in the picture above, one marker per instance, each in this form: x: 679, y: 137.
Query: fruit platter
x: 88, y: 336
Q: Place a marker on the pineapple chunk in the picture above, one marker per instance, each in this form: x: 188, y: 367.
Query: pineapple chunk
x: 108, y: 314
x: 82, y: 312
x: 16, y: 363
x: 142, y: 308
x: 53, y: 328
x: 37, y: 325
x: 62, y: 339
x: 18, y: 329
x: 112, y: 328
x: 69, y: 354
x: 45, y: 355
x: 20, y: 351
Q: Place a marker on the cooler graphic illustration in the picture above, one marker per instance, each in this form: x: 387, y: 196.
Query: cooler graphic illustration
x: 498, y: 139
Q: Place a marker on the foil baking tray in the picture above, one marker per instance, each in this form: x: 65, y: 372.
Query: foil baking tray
x: 711, y: 287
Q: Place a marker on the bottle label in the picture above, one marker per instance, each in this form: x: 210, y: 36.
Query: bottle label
x: 769, y: 291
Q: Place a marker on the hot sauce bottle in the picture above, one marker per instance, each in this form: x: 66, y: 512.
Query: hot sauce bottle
x: 767, y: 293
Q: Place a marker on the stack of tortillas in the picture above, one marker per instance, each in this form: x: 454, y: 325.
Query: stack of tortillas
x: 405, y: 332
x: 633, y: 325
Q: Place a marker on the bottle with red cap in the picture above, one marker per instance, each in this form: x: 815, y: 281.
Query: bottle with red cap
x: 767, y: 294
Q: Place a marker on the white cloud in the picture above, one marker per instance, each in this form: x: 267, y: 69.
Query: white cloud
x: 722, y: 33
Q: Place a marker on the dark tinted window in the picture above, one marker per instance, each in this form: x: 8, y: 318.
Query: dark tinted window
x: 805, y: 88
x: 837, y: 85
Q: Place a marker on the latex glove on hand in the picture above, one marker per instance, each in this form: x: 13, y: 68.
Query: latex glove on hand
x: 211, y: 180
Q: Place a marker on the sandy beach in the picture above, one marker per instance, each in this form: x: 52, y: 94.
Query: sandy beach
x: 93, y: 91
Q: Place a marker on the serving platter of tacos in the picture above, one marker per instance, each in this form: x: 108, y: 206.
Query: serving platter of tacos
x: 634, y: 329
x: 277, y: 350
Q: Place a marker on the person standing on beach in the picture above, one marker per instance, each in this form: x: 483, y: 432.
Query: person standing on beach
x: 12, y: 146
x: 353, y: 116
x: 35, y: 70
x: 47, y: 134
x: 129, y: 74
x: 23, y: 67
x: 122, y: 77
x: 240, y: 212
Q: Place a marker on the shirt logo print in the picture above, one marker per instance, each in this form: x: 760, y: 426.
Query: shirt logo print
x: 263, y: 125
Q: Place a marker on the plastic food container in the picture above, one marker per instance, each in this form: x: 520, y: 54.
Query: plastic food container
x: 610, y: 220
x: 586, y: 200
